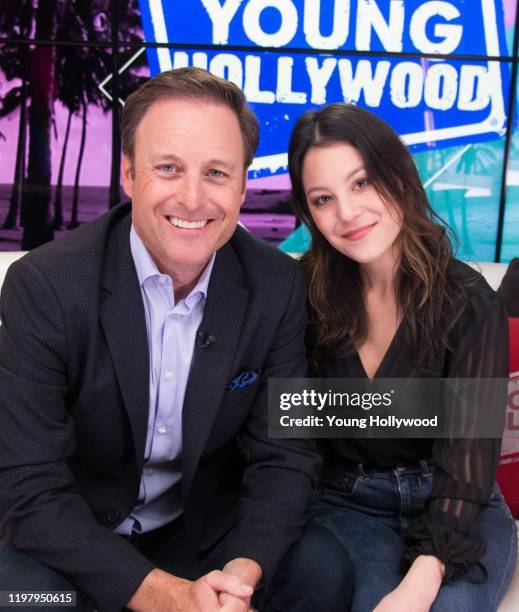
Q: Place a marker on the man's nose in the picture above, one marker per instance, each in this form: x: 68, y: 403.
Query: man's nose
x: 189, y: 194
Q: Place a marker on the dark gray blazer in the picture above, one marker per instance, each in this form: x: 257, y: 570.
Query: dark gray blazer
x: 74, y: 407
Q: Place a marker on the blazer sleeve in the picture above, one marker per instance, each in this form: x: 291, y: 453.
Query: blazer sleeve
x: 40, y: 513
x: 281, y: 473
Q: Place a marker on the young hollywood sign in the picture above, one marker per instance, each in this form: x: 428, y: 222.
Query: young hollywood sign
x: 291, y: 55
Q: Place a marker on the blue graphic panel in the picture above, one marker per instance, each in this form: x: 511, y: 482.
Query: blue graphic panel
x: 430, y: 102
x: 289, y: 56
x: 413, y: 26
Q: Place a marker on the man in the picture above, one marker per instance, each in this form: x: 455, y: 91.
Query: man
x: 135, y: 463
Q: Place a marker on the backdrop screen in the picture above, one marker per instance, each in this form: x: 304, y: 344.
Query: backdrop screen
x: 439, y: 72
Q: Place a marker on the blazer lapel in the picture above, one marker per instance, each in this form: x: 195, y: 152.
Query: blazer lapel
x: 124, y: 324
x: 211, y: 366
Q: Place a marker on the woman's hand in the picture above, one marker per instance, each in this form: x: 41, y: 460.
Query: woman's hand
x: 405, y: 600
x: 418, y: 589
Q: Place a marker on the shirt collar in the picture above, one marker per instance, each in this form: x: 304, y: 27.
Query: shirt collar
x: 146, y: 267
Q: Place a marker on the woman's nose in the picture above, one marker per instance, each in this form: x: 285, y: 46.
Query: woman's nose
x: 348, y: 209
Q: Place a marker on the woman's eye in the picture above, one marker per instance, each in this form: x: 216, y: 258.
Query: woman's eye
x: 324, y: 199
x: 361, y: 184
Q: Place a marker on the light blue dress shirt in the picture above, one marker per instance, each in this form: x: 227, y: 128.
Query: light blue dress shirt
x: 171, y: 330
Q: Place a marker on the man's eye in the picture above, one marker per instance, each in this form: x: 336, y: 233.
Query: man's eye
x: 216, y: 173
x: 361, y: 184
x: 167, y: 168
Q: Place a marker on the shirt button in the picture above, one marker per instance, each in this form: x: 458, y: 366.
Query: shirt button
x: 149, y: 471
x: 113, y: 515
x: 168, y: 375
x: 162, y: 280
x: 162, y: 429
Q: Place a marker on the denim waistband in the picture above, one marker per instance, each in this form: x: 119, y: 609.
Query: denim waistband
x: 424, y: 466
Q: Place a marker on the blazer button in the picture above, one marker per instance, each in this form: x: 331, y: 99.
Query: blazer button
x: 113, y: 515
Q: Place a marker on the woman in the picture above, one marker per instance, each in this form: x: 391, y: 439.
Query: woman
x: 424, y: 525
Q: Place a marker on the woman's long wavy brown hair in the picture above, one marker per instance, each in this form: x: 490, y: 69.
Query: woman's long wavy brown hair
x: 424, y: 292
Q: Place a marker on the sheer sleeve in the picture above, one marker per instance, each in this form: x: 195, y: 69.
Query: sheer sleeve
x: 464, y: 467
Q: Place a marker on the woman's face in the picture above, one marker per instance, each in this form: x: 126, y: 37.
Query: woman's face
x: 346, y: 207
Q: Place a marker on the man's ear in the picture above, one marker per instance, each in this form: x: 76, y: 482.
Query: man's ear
x: 244, y: 188
x: 127, y: 175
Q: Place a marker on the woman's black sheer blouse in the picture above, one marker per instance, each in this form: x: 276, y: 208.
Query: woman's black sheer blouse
x: 465, y: 469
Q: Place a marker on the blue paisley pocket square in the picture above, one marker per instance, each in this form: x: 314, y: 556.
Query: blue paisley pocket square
x: 243, y: 380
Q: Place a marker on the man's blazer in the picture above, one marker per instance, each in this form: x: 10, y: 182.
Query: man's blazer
x: 74, y: 407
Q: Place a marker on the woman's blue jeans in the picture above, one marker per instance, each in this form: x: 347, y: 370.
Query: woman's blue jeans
x: 369, y: 510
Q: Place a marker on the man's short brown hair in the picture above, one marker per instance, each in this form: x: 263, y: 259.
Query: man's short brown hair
x: 189, y: 83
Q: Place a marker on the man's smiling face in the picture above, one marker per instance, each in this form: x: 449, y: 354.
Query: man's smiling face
x: 186, y: 182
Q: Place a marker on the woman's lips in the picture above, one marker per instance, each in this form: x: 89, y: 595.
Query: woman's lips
x: 359, y: 232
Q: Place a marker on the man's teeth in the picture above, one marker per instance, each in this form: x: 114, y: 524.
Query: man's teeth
x: 187, y: 224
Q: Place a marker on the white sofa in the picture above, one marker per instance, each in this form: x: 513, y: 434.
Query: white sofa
x: 6, y: 259
x: 493, y: 273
